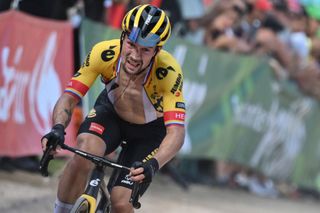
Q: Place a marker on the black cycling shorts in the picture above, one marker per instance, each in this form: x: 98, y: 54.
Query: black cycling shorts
x: 142, y: 140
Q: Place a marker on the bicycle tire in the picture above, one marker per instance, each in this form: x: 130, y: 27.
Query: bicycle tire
x: 81, y: 206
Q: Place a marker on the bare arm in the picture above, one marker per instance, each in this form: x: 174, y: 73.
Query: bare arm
x: 62, y: 113
x: 63, y: 109
x: 170, y: 145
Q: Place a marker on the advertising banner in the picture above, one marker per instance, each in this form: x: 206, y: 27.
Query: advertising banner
x: 36, y: 61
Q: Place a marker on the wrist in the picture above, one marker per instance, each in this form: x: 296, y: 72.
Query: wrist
x: 59, y: 127
x: 154, y: 164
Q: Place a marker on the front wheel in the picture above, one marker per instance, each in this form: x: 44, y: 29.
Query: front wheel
x: 81, y: 206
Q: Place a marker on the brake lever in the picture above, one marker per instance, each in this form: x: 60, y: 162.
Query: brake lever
x: 134, y: 198
x: 45, y: 160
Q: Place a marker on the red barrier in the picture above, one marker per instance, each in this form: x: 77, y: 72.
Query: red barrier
x: 36, y: 62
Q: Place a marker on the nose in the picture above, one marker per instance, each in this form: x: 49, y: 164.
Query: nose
x: 136, y: 54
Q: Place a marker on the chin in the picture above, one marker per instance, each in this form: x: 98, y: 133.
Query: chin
x: 130, y: 71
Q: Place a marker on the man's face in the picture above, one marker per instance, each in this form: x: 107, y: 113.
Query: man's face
x: 135, y: 57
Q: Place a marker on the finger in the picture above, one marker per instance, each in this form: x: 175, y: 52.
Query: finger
x: 137, y: 171
x: 138, y: 178
x: 44, y: 142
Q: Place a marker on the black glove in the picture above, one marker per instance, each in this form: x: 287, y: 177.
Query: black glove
x: 150, y: 168
x: 56, y: 135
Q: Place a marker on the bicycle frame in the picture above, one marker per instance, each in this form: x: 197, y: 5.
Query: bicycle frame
x: 96, y: 179
x: 92, y: 190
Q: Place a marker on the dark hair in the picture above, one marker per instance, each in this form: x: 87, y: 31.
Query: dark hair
x: 241, y: 12
x: 249, y: 7
x: 272, y: 23
x: 280, y: 5
x: 215, y: 33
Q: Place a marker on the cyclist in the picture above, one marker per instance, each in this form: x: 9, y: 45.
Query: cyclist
x: 142, y: 103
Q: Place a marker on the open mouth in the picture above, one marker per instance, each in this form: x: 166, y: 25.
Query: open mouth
x: 133, y: 64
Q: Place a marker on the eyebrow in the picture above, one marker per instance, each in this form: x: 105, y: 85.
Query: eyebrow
x: 142, y: 47
x: 147, y: 48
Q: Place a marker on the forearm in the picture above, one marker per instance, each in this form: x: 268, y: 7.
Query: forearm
x: 63, y: 109
x: 170, y: 145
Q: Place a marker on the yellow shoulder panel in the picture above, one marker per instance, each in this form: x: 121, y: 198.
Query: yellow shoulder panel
x: 169, y: 76
x: 100, y: 60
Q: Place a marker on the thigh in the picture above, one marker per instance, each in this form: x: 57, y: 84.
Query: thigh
x: 120, y: 195
x: 103, y: 123
x: 91, y: 143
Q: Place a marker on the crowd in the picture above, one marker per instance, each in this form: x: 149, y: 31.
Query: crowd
x: 287, y: 31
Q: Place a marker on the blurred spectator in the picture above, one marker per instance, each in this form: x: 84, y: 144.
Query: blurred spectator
x: 255, y: 12
x: 115, y: 10
x: 190, y: 27
x: 315, y: 49
x: 172, y: 9
x: 94, y: 9
x: 267, y: 42
x: 299, y: 41
x: 221, y: 32
x: 313, y: 25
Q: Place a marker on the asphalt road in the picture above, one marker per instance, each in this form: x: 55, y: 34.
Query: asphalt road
x: 24, y: 192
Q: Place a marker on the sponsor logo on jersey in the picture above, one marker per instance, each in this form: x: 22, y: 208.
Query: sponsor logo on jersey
x: 127, y: 180
x: 179, y: 116
x: 177, y: 84
x: 174, y: 117
x: 158, y: 104
x: 92, y: 113
x: 151, y: 155
x: 77, y: 74
x: 96, y: 128
x: 161, y: 72
x: 180, y: 105
x: 107, y: 55
x: 87, y: 61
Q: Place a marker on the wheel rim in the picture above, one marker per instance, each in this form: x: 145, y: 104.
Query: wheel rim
x: 84, y: 207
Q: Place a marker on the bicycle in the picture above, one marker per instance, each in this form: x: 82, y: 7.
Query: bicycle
x: 96, y: 197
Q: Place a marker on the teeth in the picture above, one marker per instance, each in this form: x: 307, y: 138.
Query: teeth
x: 133, y: 64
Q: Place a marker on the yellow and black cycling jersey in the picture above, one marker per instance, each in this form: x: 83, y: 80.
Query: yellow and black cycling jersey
x: 162, y: 86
